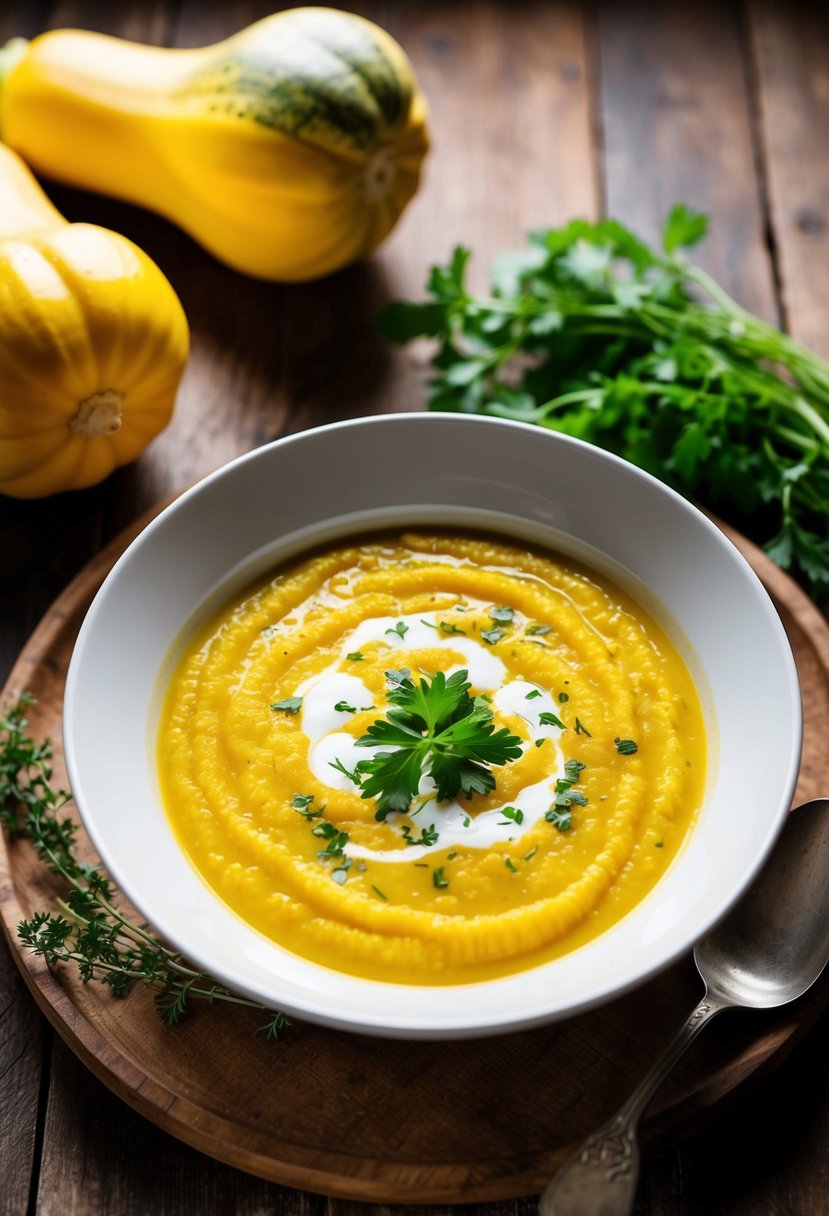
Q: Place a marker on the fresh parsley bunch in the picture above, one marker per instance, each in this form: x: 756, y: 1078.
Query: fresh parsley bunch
x: 591, y: 332
x: 436, y: 727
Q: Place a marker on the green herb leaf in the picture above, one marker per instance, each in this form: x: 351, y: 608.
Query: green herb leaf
x: 502, y: 612
x: 549, y: 719
x: 343, y: 708
x: 626, y: 747
x: 435, y: 727
x: 355, y: 657
x: 534, y: 630
x: 450, y: 627
x: 291, y: 705
x: 491, y: 636
x: 531, y: 696
x: 401, y: 629
x: 439, y: 879
x: 512, y: 814
x: 95, y: 937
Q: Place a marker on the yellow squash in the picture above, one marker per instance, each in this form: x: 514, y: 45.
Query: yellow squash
x: 289, y: 150
x: 93, y: 341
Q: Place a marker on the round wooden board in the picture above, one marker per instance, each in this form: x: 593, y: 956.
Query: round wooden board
x: 384, y: 1121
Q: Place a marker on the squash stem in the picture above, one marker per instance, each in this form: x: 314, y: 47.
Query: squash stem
x: 10, y: 56
x: 100, y: 414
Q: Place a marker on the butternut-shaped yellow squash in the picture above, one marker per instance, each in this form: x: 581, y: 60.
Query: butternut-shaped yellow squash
x: 288, y: 150
x: 93, y: 341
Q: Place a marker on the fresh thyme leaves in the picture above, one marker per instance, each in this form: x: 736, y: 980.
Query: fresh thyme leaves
x: 512, y: 814
x: 291, y: 705
x: 502, y: 612
x: 491, y: 636
x: 449, y: 627
x: 572, y: 769
x: 90, y: 931
x: 531, y: 696
x: 591, y: 332
x: 549, y: 719
x: 581, y: 729
x: 435, y: 727
x: 510, y: 864
x: 401, y: 629
x: 355, y: 657
x: 343, y: 708
x: 377, y: 891
x: 534, y: 630
x: 439, y: 879
x: 626, y: 747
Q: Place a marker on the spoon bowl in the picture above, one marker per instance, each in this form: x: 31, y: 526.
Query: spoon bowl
x: 767, y: 951
x: 774, y: 943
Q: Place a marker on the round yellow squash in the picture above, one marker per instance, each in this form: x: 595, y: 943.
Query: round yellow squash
x: 288, y: 150
x: 93, y: 341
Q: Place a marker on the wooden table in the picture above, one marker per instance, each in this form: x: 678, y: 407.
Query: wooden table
x: 541, y: 112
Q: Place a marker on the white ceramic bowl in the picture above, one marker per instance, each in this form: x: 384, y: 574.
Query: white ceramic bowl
x: 456, y: 471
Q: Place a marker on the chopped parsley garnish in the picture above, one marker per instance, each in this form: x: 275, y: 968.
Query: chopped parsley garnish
x: 355, y: 657
x: 626, y: 747
x: 510, y: 865
x: 560, y: 814
x: 572, y: 768
x: 341, y: 873
x: 660, y: 844
x: 336, y: 842
x: 529, y: 856
x: 435, y: 728
x: 449, y: 627
x: 439, y: 879
x: 291, y: 705
x: 401, y: 629
x: 581, y: 729
x: 561, y: 819
x: 531, y: 696
x: 563, y: 698
x: 491, y: 636
x: 352, y: 774
x: 548, y: 719
x: 427, y: 837
x: 342, y: 708
x: 302, y: 804
x: 377, y: 891
x: 534, y: 630
x: 512, y: 815
x: 502, y: 613
x: 430, y: 624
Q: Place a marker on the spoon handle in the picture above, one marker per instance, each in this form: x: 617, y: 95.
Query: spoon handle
x: 600, y: 1180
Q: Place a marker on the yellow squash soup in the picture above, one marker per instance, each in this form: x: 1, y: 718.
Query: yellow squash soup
x: 432, y: 759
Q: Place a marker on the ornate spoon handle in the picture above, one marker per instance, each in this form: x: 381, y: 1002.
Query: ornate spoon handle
x: 600, y: 1180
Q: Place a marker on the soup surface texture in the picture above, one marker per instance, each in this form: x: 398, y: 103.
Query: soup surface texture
x: 565, y: 737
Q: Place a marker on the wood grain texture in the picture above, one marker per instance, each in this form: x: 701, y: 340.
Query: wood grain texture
x: 482, y: 1120
x: 791, y: 58
x: 678, y: 128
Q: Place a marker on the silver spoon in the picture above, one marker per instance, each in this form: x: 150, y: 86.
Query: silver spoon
x: 766, y: 952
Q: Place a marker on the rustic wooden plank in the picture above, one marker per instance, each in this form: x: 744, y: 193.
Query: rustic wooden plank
x: 100, y: 1157
x: 676, y: 114
x: 790, y: 60
x: 494, y: 79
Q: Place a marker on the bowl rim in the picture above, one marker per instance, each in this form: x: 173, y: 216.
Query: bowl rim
x: 377, y: 1021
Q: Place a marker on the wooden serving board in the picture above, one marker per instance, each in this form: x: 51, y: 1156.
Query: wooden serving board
x: 385, y: 1121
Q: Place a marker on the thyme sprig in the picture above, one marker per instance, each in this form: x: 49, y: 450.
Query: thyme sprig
x: 89, y: 931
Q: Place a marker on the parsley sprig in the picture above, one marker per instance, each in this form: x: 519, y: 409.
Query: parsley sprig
x: 90, y: 931
x: 591, y: 332
x: 434, y: 727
